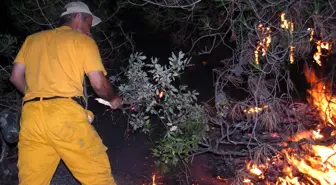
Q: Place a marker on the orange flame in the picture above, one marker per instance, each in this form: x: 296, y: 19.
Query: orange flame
x: 254, y: 110
x: 312, y: 32
x: 320, y: 97
x: 153, y: 180
x: 319, y: 46
x: 264, y: 44
x: 161, y: 93
x: 291, y: 54
x: 286, y: 24
x: 311, y: 163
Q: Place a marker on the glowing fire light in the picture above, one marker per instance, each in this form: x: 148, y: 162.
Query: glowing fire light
x: 291, y: 54
x: 255, y: 170
x: 264, y: 44
x: 319, y: 46
x: 266, y: 39
x: 310, y: 163
x: 221, y: 179
x: 311, y: 34
x: 161, y: 93
x: 153, y: 180
x: 286, y: 24
x: 320, y: 97
x: 256, y: 54
x: 254, y: 110
x: 320, y: 164
x: 317, y: 55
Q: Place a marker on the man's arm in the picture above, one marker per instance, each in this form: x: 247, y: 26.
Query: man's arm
x: 17, y: 77
x: 101, y: 85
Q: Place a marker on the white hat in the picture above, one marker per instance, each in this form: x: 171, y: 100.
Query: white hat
x: 80, y: 7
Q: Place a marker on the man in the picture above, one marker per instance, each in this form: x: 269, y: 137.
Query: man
x: 49, y: 70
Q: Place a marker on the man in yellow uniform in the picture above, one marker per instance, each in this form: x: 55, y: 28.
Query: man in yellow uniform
x: 49, y: 70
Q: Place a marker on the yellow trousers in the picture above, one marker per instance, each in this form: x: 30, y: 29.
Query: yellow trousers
x: 56, y: 129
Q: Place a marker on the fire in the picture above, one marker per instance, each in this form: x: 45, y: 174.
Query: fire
x: 311, y: 163
x: 319, y: 46
x: 291, y: 54
x: 256, y: 54
x: 254, y: 110
x: 318, y: 53
x: 321, y: 98
x: 161, y: 93
x: 266, y: 39
x: 286, y: 24
x: 264, y: 44
x: 312, y: 32
x: 153, y: 180
x: 255, y: 170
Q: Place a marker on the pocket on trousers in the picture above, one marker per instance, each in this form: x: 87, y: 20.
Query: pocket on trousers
x: 67, y: 120
x: 67, y: 132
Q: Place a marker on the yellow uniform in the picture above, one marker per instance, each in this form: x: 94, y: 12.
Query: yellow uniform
x: 55, y: 63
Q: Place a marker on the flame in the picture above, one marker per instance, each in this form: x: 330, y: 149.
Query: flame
x: 291, y: 54
x: 319, y: 46
x: 312, y: 32
x: 221, y: 179
x: 267, y: 39
x: 265, y: 42
x: 318, y: 53
x: 286, y: 24
x: 255, y: 170
x: 153, y: 180
x: 256, y: 53
x: 308, y: 164
x: 318, y: 164
x: 161, y: 93
x: 320, y: 97
x: 254, y: 110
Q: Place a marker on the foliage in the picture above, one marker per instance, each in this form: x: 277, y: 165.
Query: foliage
x: 7, y: 44
x: 9, y: 99
x: 179, y: 146
x: 150, y: 90
x: 7, y: 48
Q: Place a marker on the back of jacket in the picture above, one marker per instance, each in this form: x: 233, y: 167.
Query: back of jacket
x: 56, y: 61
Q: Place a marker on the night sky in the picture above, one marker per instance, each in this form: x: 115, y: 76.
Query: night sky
x: 6, y: 22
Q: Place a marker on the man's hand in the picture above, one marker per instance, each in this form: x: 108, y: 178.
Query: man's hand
x: 116, y: 102
x: 104, y: 89
x: 101, y: 85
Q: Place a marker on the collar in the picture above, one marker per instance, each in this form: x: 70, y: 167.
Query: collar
x: 64, y: 28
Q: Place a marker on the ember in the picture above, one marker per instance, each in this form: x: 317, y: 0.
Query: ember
x: 160, y: 94
x: 153, y: 180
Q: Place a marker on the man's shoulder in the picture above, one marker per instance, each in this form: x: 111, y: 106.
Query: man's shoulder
x: 67, y: 35
x: 63, y: 30
x: 40, y: 33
